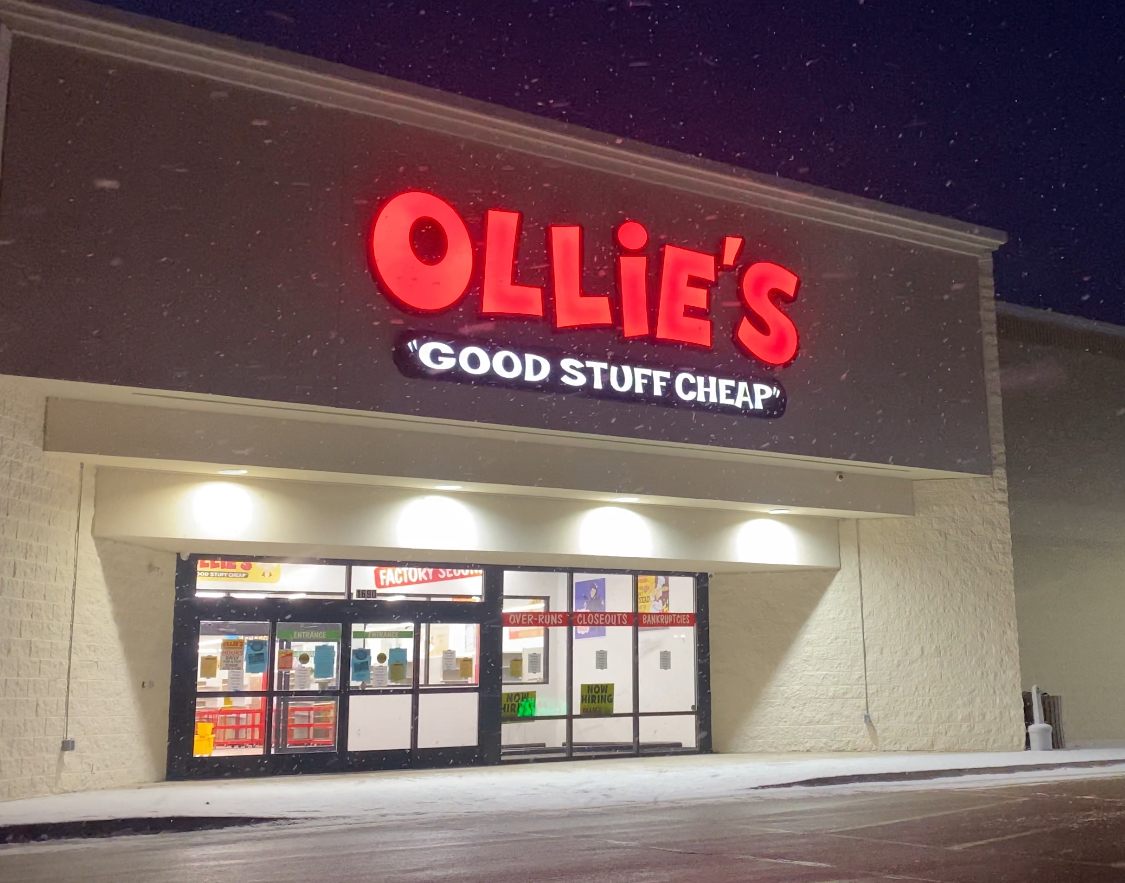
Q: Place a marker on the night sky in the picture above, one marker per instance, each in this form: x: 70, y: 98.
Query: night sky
x: 1010, y: 115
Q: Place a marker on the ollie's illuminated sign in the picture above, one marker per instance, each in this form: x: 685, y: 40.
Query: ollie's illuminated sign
x: 428, y: 284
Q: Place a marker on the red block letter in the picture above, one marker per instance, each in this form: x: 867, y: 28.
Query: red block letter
x: 632, y: 276
x: 678, y: 295
x: 502, y: 296
x: 573, y: 309
x: 411, y: 282
x: 778, y: 346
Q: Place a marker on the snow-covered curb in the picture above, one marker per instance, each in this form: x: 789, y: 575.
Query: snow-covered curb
x: 538, y: 787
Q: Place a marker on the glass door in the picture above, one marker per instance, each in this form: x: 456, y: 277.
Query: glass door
x: 307, y: 692
x: 381, y: 687
x: 449, y: 695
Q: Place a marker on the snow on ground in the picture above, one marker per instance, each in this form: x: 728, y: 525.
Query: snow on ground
x: 535, y: 787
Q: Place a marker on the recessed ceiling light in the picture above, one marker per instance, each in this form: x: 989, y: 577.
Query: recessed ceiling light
x: 447, y: 487
x: 627, y: 500
x: 232, y: 472
x: 779, y: 511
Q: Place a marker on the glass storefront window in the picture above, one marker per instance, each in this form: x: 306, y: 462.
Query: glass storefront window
x: 226, y: 726
x: 603, y: 651
x: 527, y: 654
x: 667, y: 732
x: 534, y: 673
x: 379, y: 721
x: 417, y: 582
x: 307, y: 656
x: 453, y: 654
x: 304, y: 723
x: 382, y: 656
x: 233, y: 657
x: 587, y: 664
x: 255, y: 580
x: 666, y: 642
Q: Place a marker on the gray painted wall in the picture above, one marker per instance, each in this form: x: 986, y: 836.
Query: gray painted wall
x: 169, y: 231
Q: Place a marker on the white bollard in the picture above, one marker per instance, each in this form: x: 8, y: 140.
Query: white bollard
x: 1039, y: 733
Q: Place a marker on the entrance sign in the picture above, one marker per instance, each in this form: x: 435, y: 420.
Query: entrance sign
x: 442, y: 357
x: 422, y: 257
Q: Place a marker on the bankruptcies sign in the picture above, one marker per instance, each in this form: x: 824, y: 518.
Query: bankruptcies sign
x: 516, y: 705
x: 596, y: 700
x: 439, y: 357
x: 664, y: 620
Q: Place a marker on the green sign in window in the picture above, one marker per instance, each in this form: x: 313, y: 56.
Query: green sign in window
x: 299, y: 634
x: 516, y: 705
x: 382, y: 635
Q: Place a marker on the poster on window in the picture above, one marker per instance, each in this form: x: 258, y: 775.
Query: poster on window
x: 361, y: 665
x: 231, y: 654
x: 256, y: 656
x: 589, y: 597
x: 652, y: 594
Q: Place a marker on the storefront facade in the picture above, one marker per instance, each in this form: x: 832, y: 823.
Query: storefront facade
x: 605, y: 450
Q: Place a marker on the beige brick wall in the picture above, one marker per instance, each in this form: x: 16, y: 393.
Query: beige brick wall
x: 787, y: 655
x: 122, y: 633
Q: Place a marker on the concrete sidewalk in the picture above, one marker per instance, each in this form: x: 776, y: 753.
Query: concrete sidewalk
x: 556, y: 786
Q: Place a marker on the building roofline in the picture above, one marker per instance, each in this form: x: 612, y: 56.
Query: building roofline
x: 219, y: 57
x: 1060, y: 320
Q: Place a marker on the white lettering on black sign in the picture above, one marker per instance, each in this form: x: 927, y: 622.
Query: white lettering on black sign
x: 448, y: 358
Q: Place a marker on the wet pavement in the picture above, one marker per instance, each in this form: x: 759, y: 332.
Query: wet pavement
x: 1067, y: 831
